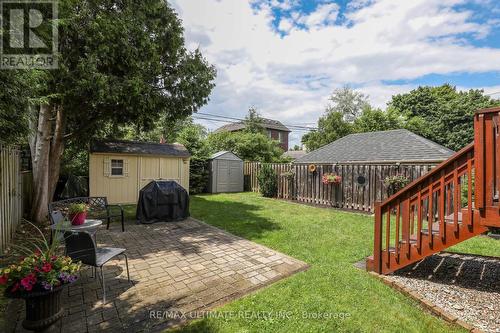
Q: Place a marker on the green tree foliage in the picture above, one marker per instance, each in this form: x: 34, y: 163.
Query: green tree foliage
x: 442, y: 114
x: 198, y: 174
x: 248, y: 146
x: 348, y: 102
x: 331, y: 127
x: 193, y: 137
x: 268, y: 181
x: 14, y: 92
x: 253, y: 122
x: 121, y: 63
x: 372, y: 120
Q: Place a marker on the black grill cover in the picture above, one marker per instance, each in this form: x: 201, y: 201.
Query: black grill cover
x: 162, y: 201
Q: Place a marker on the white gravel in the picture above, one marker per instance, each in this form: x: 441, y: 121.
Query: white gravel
x: 463, y: 285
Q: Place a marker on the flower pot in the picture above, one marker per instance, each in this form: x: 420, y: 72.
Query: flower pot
x: 43, y: 309
x: 78, y: 218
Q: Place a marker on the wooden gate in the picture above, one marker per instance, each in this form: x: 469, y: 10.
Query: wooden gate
x: 11, y: 201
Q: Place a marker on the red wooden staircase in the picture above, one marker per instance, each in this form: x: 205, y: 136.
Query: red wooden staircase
x: 457, y: 200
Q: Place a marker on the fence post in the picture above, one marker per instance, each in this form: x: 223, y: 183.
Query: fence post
x: 377, y: 249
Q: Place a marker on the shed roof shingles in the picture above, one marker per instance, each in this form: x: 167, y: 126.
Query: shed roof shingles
x: 386, y: 146
x: 139, y: 148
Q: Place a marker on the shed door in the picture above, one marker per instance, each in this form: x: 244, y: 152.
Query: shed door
x: 155, y: 168
x: 235, y: 176
x: 222, y: 176
x: 149, y: 170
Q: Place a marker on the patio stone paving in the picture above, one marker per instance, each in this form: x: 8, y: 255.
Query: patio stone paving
x: 179, y: 271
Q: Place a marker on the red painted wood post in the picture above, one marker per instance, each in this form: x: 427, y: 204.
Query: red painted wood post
x: 419, y: 222
x: 377, y: 249
x: 479, y: 159
x: 456, y: 196
x: 497, y: 155
x: 442, y: 222
x: 398, y: 221
x: 430, y: 214
x: 489, y: 160
x: 469, y: 189
x: 388, y: 237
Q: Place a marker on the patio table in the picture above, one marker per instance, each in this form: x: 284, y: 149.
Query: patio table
x: 90, y: 225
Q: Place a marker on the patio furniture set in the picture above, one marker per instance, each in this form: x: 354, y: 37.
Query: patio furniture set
x: 81, y: 240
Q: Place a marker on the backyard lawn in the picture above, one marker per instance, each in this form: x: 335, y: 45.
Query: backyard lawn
x: 331, y: 241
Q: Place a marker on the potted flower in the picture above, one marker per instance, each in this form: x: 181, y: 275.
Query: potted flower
x: 39, y: 279
x: 395, y: 183
x: 331, y: 178
x: 77, y: 213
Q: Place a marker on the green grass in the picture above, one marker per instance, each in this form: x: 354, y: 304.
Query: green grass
x: 331, y: 241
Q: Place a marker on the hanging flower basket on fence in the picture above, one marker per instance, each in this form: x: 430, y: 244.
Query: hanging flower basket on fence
x: 331, y: 178
x: 288, y: 175
x: 311, y: 168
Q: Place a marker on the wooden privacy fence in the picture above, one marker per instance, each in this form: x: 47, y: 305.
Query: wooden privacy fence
x: 11, y: 201
x: 285, y: 184
x: 351, y: 193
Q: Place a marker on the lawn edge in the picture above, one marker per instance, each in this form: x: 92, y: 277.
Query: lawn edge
x: 425, y: 304
x: 168, y: 327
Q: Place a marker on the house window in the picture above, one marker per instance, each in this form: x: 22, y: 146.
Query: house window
x: 117, y: 168
x: 281, y: 136
x: 269, y: 134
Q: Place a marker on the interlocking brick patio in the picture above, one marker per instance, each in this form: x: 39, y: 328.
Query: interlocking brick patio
x: 183, y: 267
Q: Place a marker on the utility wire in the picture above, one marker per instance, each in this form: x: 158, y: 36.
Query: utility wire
x: 241, y: 119
x: 305, y: 129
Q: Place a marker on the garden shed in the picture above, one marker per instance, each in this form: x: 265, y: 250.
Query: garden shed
x: 226, y: 173
x: 118, y: 170
x: 365, y: 163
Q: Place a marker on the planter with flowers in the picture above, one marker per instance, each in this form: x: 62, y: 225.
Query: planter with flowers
x: 395, y: 183
x: 331, y: 178
x: 77, y: 213
x: 39, y: 279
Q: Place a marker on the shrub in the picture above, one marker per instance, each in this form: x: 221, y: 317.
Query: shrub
x: 268, y: 181
x: 199, y: 175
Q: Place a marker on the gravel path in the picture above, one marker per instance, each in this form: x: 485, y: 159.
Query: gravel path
x: 463, y: 285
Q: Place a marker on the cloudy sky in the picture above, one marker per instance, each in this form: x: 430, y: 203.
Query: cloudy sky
x: 285, y: 57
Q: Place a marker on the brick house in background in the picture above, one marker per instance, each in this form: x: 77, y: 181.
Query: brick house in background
x: 274, y: 129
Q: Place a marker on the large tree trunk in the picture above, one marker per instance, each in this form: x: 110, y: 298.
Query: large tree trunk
x: 40, y: 148
x: 46, y: 145
x: 56, y: 150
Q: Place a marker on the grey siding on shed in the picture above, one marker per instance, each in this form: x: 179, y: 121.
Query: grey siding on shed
x: 226, y: 173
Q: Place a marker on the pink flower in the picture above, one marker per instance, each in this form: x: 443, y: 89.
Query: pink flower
x: 28, y: 281
x: 3, y: 279
x: 47, y: 267
x: 15, y: 287
x: 37, y: 252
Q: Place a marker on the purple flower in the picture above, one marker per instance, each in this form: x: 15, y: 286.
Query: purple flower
x: 64, y: 277
x: 46, y: 285
x: 72, y: 278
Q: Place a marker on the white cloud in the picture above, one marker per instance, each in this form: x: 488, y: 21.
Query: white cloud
x: 323, y: 15
x: 290, y: 77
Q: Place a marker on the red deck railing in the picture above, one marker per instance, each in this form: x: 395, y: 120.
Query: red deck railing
x: 439, y: 209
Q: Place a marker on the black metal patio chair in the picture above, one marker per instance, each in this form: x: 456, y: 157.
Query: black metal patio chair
x: 81, y: 247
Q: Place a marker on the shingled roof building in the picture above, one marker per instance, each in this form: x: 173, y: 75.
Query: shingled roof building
x: 370, y: 165
x: 383, y: 147
x: 275, y: 130
x: 118, y: 170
